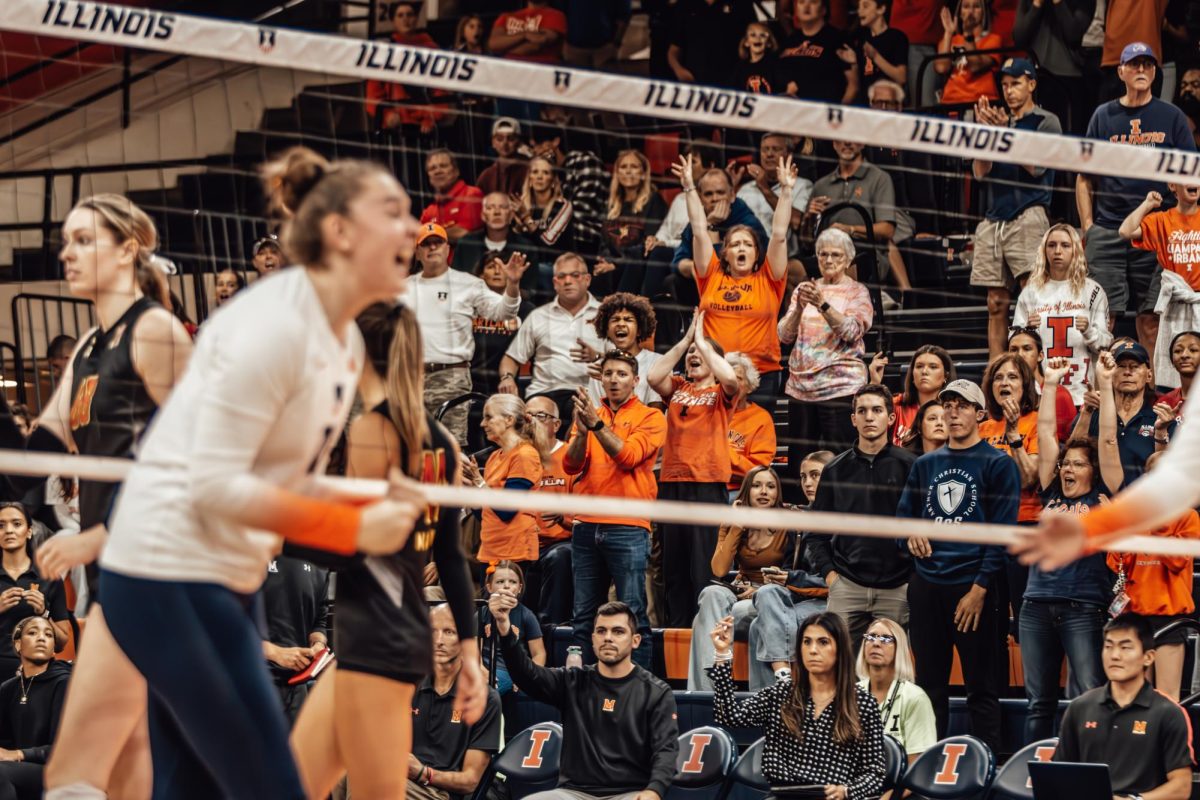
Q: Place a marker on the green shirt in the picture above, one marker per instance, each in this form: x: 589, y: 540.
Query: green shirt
x: 907, y: 716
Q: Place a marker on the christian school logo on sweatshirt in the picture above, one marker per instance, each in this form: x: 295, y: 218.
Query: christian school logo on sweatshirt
x: 952, y: 496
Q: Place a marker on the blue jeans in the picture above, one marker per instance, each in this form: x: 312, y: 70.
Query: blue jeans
x: 774, y: 632
x: 603, y: 554
x: 1048, y: 630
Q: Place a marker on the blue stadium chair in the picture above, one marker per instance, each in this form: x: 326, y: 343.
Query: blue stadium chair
x: 956, y: 768
x: 528, y: 762
x: 1012, y: 781
x: 706, y: 758
x: 895, y: 763
x: 747, y: 781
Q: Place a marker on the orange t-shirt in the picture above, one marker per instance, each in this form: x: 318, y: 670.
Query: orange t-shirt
x: 1160, y: 585
x: 992, y: 432
x: 630, y: 473
x: 751, y: 442
x: 963, y: 86
x: 1175, y: 239
x: 517, y: 539
x: 555, y: 480
x: 1128, y: 21
x: 697, y: 447
x: 742, y: 314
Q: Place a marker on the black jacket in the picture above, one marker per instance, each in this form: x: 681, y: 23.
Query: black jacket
x: 32, y: 726
x: 618, y: 735
x: 862, y: 484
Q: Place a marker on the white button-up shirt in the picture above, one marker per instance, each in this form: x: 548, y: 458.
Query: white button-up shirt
x: 546, y: 338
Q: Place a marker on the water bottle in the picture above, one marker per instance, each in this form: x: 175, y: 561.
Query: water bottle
x: 574, y: 657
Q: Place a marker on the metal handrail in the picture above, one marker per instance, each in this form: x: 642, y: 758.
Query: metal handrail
x: 1192, y: 625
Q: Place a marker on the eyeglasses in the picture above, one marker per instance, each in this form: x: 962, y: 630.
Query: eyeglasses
x: 574, y: 276
x: 831, y: 255
x: 542, y: 416
x: 879, y: 638
x: 891, y: 104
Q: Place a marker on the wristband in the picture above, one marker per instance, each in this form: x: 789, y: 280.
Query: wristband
x: 726, y: 656
x: 320, y: 524
x: 1165, y: 440
x: 508, y: 376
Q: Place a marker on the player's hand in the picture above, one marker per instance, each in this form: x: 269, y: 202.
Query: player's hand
x: 1057, y: 541
x: 63, y: 552
x: 386, y: 525
x: 722, y: 635
x: 471, y: 691
x: 919, y: 547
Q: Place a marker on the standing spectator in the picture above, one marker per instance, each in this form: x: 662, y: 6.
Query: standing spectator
x: 496, y: 235
x: 827, y: 320
x: 296, y: 601
x: 762, y: 191
x: 885, y: 669
x: 1053, y: 33
x: 585, y: 185
x: 620, y: 734
x: 841, y: 750
x: 751, y: 428
x: 1026, y: 343
x: 448, y: 757
x: 492, y: 337
x: 1065, y: 308
x: 534, y: 34
x: 1147, y: 738
x: 704, y: 40
x: 695, y: 465
x: 541, y: 211
x: 918, y: 21
x: 1130, y: 277
x: 551, y: 586
x: 1185, y: 360
x: 594, y: 31
x: 1128, y: 21
x: 883, y: 54
x: 722, y: 213
x: 624, y: 321
x: 867, y: 577
x: 507, y: 173
x: 1188, y: 99
x: 928, y: 432
x: 1063, y: 611
x: 468, y: 35
x: 613, y: 449
x: 393, y: 105
x: 635, y: 210
x: 447, y: 302
x: 1016, y: 218
x: 1011, y: 424
x: 30, y: 708
x: 742, y: 287
x: 755, y: 70
x: 456, y: 206
x: 267, y: 255
x: 965, y: 32
x: 929, y: 370
x: 955, y: 589
x: 816, y: 62
x: 553, y: 336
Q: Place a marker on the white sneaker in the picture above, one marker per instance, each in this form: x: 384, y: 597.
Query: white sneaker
x: 889, y: 302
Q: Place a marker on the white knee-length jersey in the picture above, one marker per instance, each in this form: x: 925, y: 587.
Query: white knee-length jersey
x: 262, y: 402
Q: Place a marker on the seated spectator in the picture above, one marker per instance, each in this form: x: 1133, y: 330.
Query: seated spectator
x: 594, y: 31
x: 447, y: 302
x: 1015, y: 220
x: 855, y: 181
x: 495, y: 236
x: 448, y: 758
x: 1147, y: 737
x: 507, y: 173
x: 695, y: 465
x: 1185, y: 359
x: 493, y: 337
x: 722, y: 213
x: 635, y: 209
x: 635, y: 757
x: 468, y: 35
x: 762, y: 191
x: 624, y: 321
x: 883, y: 53
x: 24, y: 592
x: 1063, y: 611
x: 267, y: 255
x: 741, y: 288
x: 752, y: 441
x: 885, y: 669
x: 755, y: 69
x: 867, y: 577
x: 551, y: 591
x: 1130, y: 276
x: 296, y: 604
x: 457, y: 207
x: 1064, y: 307
x: 1160, y: 589
x: 535, y: 33
x: 553, y: 338
x: 827, y: 320
x: 928, y: 431
x: 613, y: 449
x: 394, y: 105
x: 704, y: 40
x: 58, y: 355
x: 505, y: 586
x: 1011, y: 424
x: 965, y: 31
x: 929, y: 370
x: 1027, y: 344
x: 815, y: 60
x: 515, y: 464
x: 841, y: 750
x: 1174, y: 237
x: 226, y: 284
x: 1138, y: 430
x: 541, y: 211
x: 30, y: 708
x: 956, y: 587
x: 703, y: 157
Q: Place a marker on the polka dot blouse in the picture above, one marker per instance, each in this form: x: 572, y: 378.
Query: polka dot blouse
x: 858, y: 766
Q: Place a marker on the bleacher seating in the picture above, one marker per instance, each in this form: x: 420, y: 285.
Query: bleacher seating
x: 707, y: 756
x: 1012, y: 781
x: 956, y: 768
x: 528, y: 762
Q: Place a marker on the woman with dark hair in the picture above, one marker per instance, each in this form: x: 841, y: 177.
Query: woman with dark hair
x: 31, y: 704
x: 1185, y: 358
x: 1012, y: 423
x: 226, y: 284
x: 823, y: 731
x: 928, y: 431
x: 23, y: 590
x: 468, y: 35
x: 929, y: 370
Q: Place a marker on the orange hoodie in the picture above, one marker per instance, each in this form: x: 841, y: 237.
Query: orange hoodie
x: 751, y: 442
x: 628, y: 474
x: 1160, y: 585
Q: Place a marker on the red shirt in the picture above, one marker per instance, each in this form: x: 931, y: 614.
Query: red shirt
x: 918, y: 20
x: 543, y: 18
x: 463, y: 206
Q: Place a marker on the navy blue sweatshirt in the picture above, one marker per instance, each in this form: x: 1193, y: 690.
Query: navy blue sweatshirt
x: 975, y: 484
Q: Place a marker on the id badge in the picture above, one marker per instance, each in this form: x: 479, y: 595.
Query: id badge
x: 1119, y: 604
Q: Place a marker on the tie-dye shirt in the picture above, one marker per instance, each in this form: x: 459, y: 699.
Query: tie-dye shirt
x: 828, y: 363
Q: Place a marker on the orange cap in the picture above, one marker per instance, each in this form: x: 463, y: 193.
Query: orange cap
x: 431, y: 229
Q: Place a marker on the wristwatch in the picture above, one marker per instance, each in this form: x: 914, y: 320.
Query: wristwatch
x: 1019, y: 442
x: 823, y: 307
x: 599, y: 424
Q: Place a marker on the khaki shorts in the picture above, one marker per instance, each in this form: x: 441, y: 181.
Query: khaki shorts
x: 1013, y: 243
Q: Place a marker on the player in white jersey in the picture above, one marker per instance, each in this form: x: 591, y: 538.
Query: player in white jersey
x: 225, y: 471
x: 1068, y: 309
